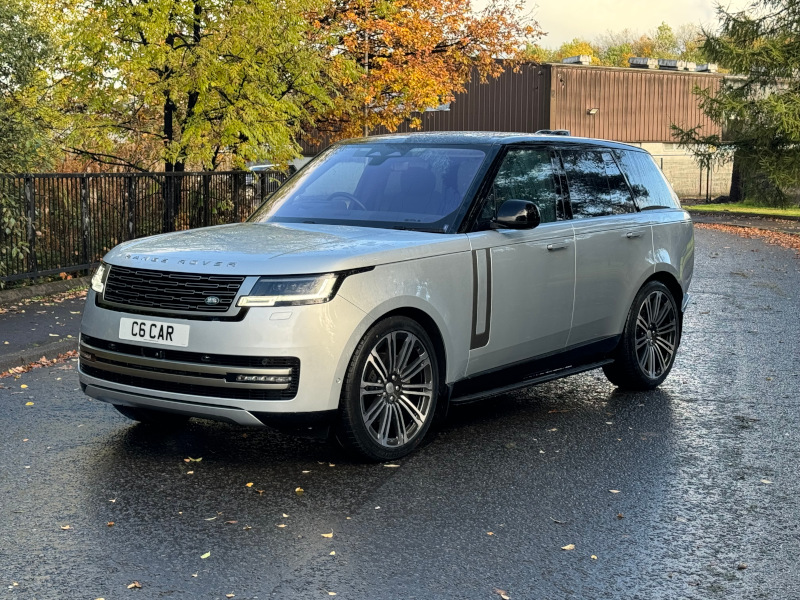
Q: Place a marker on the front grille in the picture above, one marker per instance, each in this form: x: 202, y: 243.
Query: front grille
x: 183, y: 372
x: 170, y: 291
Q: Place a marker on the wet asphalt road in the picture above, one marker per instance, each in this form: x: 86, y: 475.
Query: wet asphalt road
x: 706, y: 470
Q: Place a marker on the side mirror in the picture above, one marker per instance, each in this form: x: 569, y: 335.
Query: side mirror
x: 517, y: 214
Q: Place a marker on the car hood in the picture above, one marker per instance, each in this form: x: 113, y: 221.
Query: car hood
x: 281, y: 248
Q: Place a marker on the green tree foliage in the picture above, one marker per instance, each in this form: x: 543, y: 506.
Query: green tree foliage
x: 25, y: 51
x: 152, y: 84
x: 614, y: 48
x: 759, y: 111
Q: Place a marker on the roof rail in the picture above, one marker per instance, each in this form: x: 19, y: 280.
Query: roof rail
x: 552, y: 132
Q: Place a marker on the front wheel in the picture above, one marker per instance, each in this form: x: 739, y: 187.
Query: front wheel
x: 646, y: 352
x: 390, y: 391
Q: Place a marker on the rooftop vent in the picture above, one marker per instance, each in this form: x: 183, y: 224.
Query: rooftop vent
x: 581, y: 59
x: 669, y: 64
x: 706, y: 68
x: 552, y: 132
x: 637, y: 62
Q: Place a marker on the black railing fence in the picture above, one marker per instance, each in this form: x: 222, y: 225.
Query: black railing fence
x: 54, y: 223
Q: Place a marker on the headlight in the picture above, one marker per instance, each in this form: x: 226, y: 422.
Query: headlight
x: 291, y: 291
x: 99, y: 278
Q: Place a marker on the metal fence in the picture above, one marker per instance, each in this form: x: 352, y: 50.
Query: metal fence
x: 54, y: 223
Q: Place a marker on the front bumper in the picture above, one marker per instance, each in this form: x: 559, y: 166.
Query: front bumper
x: 303, y: 349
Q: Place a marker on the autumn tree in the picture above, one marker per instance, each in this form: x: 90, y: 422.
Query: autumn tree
x: 413, y: 55
x: 758, y: 111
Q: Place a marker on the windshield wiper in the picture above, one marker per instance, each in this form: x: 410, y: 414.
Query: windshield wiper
x: 421, y: 229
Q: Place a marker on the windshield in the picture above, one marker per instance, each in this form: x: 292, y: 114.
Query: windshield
x: 391, y: 185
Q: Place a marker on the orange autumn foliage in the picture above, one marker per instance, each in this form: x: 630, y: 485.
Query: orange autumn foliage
x: 413, y: 55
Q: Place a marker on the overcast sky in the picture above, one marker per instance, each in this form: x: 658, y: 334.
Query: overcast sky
x: 564, y: 20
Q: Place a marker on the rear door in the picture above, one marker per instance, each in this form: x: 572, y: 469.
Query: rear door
x: 613, y: 243
x: 523, y: 280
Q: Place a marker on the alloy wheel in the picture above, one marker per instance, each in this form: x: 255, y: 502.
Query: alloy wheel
x: 396, y: 392
x: 656, y: 334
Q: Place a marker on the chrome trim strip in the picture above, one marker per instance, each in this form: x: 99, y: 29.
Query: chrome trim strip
x: 175, y: 378
x: 158, y: 363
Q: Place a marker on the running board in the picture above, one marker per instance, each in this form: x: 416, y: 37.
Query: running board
x: 549, y: 376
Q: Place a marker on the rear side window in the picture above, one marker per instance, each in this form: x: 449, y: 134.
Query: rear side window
x: 650, y: 188
x: 596, y: 185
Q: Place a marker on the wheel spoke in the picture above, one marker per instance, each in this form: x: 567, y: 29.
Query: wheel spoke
x: 660, y: 359
x: 392, y: 341
x: 402, y: 430
x: 419, y: 364
x: 640, y: 322
x: 405, y: 354
x: 385, y: 424
x: 669, y: 328
x: 665, y: 345
x: 640, y: 343
x: 373, y: 412
x: 377, y: 364
x: 412, y: 411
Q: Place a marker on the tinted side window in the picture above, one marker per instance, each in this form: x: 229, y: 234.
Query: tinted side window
x: 526, y: 174
x: 596, y: 185
x: 650, y: 188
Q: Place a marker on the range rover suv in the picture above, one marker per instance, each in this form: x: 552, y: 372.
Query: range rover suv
x: 392, y: 277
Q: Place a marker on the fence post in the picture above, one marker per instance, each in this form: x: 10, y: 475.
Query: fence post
x: 130, y: 208
x: 30, y: 214
x: 84, y: 220
x: 235, y: 191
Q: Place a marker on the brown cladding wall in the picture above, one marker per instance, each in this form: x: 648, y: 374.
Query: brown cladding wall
x: 515, y: 101
x: 634, y: 105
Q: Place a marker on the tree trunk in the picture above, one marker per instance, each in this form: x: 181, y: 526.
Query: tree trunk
x: 736, y: 179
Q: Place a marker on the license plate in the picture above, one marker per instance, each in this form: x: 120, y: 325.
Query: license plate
x: 155, y: 332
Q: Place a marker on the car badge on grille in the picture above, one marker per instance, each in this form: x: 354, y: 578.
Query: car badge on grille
x: 212, y: 300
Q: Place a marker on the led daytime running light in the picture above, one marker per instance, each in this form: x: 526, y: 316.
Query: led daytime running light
x: 321, y: 294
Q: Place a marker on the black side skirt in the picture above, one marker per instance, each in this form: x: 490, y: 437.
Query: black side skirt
x: 537, y: 370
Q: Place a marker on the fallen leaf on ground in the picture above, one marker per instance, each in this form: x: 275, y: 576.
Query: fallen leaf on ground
x: 614, y: 491
x: 490, y: 533
x: 594, y: 557
x: 333, y: 553
x: 502, y: 593
x: 328, y: 535
x: 765, y: 481
x: 568, y: 547
x: 211, y: 519
x: 134, y: 585
x: 247, y: 528
x: 190, y: 472
x: 206, y: 555
x: 620, y: 516
x: 110, y: 524
x: 331, y: 593
x: 229, y: 595
x: 28, y: 403
x: 741, y: 566
x: 281, y: 525
x: 285, y: 515
x: 65, y: 527
x: 231, y: 522
x: 190, y: 459
x: 557, y: 521
x: 249, y: 484
x: 305, y: 471
x: 299, y: 491
x: 194, y: 574
x: 392, y: 466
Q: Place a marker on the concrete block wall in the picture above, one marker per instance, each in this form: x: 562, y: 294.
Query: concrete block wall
x: 687, y: 178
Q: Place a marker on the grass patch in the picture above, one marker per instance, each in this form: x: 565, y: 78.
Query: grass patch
x: 745, y: 209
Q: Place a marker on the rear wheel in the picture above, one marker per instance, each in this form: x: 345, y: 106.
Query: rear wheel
x: 390, y: 391
x: 148, y: 416
x: 646, y: 352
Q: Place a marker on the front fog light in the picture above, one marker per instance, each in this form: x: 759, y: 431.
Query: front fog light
x: 290, y: 291
x: 98, y: 279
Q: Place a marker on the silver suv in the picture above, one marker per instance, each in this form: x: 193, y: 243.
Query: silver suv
x: 394, y: 276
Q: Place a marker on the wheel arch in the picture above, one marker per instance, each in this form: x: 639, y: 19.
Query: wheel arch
x: 672, y: 283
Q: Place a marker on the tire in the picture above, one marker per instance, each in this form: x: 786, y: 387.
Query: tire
x: 156, y: 418
x: 390, y: 391
x: 650, y: 340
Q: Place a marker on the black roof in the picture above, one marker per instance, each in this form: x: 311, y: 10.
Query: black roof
x: 484, y: 138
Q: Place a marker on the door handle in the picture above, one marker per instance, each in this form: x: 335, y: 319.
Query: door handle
x: 633, y: 234
x: 552, y: 247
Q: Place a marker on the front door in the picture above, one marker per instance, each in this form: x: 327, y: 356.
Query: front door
x: 523, y: 280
